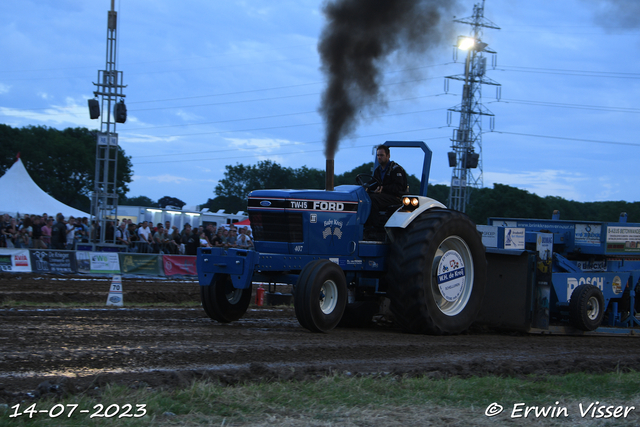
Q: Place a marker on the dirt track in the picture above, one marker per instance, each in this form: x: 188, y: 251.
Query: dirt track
x: 75, y: 349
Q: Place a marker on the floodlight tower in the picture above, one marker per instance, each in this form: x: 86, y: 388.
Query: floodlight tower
x: 466, y: 144
x: 104, y: 200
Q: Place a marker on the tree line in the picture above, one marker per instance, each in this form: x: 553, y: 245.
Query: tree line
x: 62, y: 163
x: 499, y: 201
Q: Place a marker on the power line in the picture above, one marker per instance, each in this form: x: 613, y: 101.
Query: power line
x: 281, y: 87
x: 272, y: 98
x: 282, y: 115
x: 245, y: 150
x: 231, y: 93
x: 581, y: 73
x: 571, y: 139
x: 565, y: 105
x: 563, y: 70
x: 296, y: 125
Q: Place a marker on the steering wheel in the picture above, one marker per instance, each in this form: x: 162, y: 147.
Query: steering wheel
x: 366, y: 180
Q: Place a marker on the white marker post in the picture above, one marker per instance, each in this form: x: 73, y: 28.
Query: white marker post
x: 115, y: 293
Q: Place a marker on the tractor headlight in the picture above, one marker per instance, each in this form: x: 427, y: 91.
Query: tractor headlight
x: 410, y: 203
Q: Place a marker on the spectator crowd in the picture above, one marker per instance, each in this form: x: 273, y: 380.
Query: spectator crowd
x: 45, y: 232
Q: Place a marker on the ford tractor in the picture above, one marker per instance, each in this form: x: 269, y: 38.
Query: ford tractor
x: 427, y: 260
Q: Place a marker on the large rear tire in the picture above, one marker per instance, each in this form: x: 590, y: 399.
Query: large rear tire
x: 222, y: 302
x: 437, y: 273
x: 320, y: 296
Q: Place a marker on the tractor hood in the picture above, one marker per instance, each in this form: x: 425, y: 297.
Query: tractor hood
x: 344, y: 198
x: 308, y: 221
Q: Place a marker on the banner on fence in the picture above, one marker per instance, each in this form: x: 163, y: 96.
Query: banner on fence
x: 104, y: 262
x: 15, y: 260
x: 53, y: 261
x: 140, y: 264
x: 83, y: 261
x: 179, y: 265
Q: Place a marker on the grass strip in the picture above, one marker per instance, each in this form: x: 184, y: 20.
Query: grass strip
x: 342, y: 400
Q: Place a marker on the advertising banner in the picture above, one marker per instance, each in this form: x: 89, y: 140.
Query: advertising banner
x: 140, y: 264
x: 623, y: 239
x: 45, y: 261
x: 15, y: 260
x: 489, y: 235
x: 83, y: 261
x: 179, y: 265
x: 514, y: 238
x: 104, y: 262
x: 588, y: 234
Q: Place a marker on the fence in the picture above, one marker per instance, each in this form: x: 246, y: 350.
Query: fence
x: 59, y: 261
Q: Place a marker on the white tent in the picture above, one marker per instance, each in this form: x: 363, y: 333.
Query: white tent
x: 19, y: 194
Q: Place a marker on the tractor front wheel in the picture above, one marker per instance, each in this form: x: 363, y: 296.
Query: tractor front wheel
x: 320, y: 296
x: 222, y: 302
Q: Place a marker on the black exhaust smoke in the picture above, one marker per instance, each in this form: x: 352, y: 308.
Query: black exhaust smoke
x: 616, y: 14
x: 355, y: 46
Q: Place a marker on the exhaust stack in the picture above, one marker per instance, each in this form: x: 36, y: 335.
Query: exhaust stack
x: 329, y: 175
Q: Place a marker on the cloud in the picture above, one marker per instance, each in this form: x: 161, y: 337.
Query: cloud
x: 4, y: 88
x: 186, y: 116
x: 163, y: 179
x: 543, y: 183
x: 137, y: 138
x: 259, y: 146
x: 250, y: 10
x: 71, y: 114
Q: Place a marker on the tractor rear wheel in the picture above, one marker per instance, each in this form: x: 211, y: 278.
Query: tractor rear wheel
x: 586, y: 307
x: 222, y: 302
x: 437, y: 273
x: 320, y: 296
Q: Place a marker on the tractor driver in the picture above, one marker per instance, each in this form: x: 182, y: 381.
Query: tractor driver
x: 390, y: 183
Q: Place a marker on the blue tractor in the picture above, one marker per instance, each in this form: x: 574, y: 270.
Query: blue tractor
x: 427, y: 260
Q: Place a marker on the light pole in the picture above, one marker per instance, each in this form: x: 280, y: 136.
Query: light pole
x: 466, y: 144
x: 104, y: 200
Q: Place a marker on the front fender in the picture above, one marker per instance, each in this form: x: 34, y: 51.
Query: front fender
x: 237, y: 263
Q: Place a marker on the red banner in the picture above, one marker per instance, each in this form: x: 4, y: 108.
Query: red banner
x: 179, y: 265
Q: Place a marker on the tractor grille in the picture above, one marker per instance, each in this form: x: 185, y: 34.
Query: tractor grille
x: 276, y: 226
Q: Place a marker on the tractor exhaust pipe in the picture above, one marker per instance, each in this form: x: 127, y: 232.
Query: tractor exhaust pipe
x: 329, y: 175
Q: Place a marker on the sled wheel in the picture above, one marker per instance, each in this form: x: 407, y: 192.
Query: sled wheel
x: 320, y: 296
x: 222, y: 302
x: 437, y: 273
x: 586, y: 307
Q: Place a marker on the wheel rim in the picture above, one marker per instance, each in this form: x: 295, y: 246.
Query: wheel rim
x: 328, y: 296
x: 593, y: 308
x: 452, y: 275
x: 233, y: 294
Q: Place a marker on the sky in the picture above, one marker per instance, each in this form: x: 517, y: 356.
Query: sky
x: 216, y: 83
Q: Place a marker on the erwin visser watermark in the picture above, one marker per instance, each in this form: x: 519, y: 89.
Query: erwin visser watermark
x: 593, y: 410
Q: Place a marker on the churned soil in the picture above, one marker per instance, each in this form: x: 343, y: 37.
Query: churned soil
x: 77, y: 349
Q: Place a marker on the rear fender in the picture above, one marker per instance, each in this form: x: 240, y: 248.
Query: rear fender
x: 401, y: 219
x: 238, y: 264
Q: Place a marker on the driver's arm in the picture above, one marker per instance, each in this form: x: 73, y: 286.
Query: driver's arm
x: 375, y: 184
